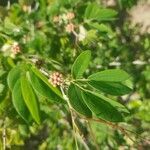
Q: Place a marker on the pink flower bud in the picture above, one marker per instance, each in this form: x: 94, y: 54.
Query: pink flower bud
x: 56, y: 79
x: 16, y: 48
x: 70, y: 15
x: 70, y: 28
x: 57, y: 73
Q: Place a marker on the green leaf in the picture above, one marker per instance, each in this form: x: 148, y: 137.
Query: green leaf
x: 2, y: 86
x: 77, y: 102
x: 95, y: 12
x: 101, y: 27
x: 112, y: 88
x: 106, y: 14
x: 13, y: 76
x: 112, y: 81
x: 43, y: 89
x: 110, y: 75
x: 30, y: 99
x: 45, y: 80
x: 18, y: 102
x: 115, y: 104
x: 101, y: 107
x: 2, y: 72
x: 81, y: 64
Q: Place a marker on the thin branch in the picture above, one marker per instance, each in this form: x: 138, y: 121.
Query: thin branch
x: 73, y: 122
x: 114, y: 126
x: 4, y: 136
x: 82, y: 80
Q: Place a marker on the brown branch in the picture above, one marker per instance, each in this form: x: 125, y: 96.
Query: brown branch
x: 113, y: 125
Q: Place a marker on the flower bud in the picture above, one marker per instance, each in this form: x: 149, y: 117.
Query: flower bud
x: 56, y: 79
x: 70, y: 27
x: 70, y: 15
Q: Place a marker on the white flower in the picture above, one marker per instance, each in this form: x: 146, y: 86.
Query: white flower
x: 139, y: 62
x: 17, y: 30
x: 15, y: 48
x: 6, y: 47
x: 82, y: 33
x: 10, y: 49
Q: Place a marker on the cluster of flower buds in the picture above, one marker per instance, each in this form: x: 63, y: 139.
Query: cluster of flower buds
x: 70, y: 15
x: 70, y: 27
x: 15, y: 48
x: 11, y: 48
x: 56, y: 79
x: 67, y: 20
x: 64, y: 17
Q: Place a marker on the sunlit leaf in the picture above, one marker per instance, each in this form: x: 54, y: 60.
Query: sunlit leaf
x: 112, y: 88
x: 112, y: 81
x: 30, y: 99
x: 95, y: 12
x: 110, y: 75
x: 18, y: 102
x: 81, y: 64
x: 13, y: 76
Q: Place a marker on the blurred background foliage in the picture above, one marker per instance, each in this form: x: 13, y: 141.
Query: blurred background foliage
x: 112, y: 30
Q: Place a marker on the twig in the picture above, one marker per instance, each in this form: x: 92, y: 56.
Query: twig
x: 73, y: 122
x: 4, y: 136
x: 114, y: 126
x: 75, y: 128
